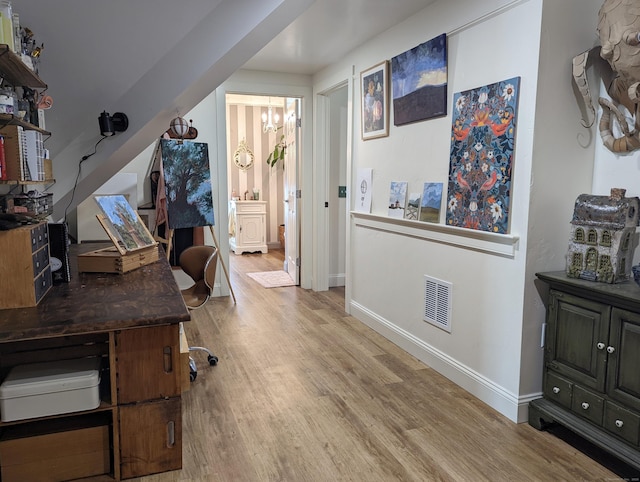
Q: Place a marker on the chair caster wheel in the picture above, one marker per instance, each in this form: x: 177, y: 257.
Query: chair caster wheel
x: 192, y: 375
x: 213, y: 360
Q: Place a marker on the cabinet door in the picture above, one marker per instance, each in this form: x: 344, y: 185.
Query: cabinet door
x: 623, y: 372
x: 577, y: 335
x: 251, y: 230
x: 148, y: 363
x: 150, y: 438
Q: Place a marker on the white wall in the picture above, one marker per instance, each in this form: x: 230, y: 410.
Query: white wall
x: 389, y: 260
x: 562, y: 167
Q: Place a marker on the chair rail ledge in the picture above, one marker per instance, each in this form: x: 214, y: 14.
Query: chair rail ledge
x: 493, y: 243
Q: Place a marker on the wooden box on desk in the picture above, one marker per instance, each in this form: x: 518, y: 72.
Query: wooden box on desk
x: 110, y: 260
x: 118, y: 258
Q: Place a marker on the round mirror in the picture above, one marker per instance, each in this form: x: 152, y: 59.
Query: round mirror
x: 243, y: 157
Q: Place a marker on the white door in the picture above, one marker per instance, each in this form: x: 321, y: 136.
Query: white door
x: 291, y: 221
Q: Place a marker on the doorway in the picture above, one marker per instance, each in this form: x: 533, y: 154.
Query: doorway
x: 257, y: 124
x: 337, y: 185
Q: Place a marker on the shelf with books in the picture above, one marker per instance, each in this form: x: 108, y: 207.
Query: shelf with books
x: 22, y: 157
x: 23, y: 160
x: 14, y: 70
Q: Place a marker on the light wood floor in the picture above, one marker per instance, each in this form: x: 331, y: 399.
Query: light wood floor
x: 304, y: 392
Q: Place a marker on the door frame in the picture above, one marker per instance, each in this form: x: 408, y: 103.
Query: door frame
x: 247, y: 82
x: 321, y: 168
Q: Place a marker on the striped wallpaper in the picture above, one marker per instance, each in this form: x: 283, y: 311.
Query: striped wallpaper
x: 245, y: 122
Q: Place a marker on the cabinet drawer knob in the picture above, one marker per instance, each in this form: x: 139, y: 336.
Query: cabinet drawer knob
x: 556, y: 389
x: 619, y: 423
x: 585, y: 405
x: 600, y: 346
x: 610, y: 349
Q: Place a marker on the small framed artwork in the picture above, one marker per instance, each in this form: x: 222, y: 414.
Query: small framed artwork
x: 431, y: 202
x: 374, y: 99
x: 413, y: 206
x: 397, y: 199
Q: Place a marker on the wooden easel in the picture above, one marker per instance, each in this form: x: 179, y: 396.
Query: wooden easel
x: 169, y: 240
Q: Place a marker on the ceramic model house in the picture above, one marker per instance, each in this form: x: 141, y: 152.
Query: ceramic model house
x: 602, y: 237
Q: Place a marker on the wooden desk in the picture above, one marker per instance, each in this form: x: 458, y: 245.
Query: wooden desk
x: 132, y: 322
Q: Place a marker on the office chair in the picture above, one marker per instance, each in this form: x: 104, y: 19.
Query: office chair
x: 199, y: 262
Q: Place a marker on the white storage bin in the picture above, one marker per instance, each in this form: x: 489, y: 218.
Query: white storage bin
x: 51, y: 388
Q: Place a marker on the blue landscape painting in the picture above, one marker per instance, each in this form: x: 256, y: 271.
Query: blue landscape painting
x: 431, y: 202
x: 419, y: 82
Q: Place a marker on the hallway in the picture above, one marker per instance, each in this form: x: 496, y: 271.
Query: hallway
x: 303, y: 392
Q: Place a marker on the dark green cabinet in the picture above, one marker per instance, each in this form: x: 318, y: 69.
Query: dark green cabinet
x: 575, y: 327
x: 591, y: 378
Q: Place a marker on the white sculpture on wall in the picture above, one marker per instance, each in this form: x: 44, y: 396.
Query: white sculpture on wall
x: 619, y: 32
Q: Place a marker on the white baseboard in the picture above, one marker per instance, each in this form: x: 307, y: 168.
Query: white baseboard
x: 336, y: 280
x: 497, y: 397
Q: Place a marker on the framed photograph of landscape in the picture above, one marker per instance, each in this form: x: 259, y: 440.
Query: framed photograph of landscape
x: 419, y: 82
x: 374, y: 100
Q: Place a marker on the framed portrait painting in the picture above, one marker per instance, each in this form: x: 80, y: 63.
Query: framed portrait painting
x: 374, y: 99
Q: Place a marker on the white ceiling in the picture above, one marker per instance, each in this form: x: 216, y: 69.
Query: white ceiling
x: 329, y: 30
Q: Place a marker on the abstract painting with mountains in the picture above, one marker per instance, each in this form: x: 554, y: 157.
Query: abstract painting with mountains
x: 419, y: 82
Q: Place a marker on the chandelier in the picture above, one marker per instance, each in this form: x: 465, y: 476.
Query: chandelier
x: 270, y: 120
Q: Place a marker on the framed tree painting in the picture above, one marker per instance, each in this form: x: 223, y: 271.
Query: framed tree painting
x: 187, y: 180
x: 374, y: 95
x: 419, y: 82
x: 483, y: 134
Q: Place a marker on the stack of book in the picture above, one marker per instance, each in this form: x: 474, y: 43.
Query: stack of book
x: 23, y: 154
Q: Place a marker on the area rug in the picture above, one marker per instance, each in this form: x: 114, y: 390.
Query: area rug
x: 272, y: 279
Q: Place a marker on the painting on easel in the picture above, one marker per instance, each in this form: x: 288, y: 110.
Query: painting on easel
x: 187, y: 181
x: 122, y: 223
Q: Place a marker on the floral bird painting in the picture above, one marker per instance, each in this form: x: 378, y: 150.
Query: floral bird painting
x: 483, y: 133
